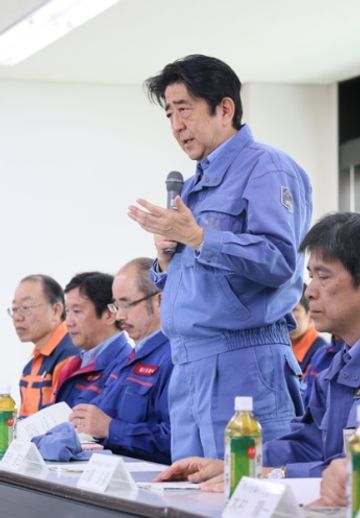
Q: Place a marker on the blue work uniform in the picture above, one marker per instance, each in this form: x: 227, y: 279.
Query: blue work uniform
x: 82, y: 384
x: 318, y: 437
x: 135, y: 395
x: 227, y: 308
x: 319, y: 362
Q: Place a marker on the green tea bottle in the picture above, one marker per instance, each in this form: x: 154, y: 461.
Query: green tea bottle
x: 353, y: 455
x: 7, y: 418
x: 243, y: 445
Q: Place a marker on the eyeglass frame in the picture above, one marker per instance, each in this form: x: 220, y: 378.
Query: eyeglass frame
x: 24, y: 310
x: 114, y: 308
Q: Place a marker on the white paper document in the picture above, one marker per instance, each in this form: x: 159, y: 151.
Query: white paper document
x: 42, y: 421
x: 144, y: 466
x: 168, y: 486
x: 67, y: 467
x: 305, y: 490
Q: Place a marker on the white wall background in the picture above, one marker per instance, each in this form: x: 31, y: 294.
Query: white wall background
x: 73, y: 157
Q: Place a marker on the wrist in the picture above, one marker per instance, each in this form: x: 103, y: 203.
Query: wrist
x: 196, y: 242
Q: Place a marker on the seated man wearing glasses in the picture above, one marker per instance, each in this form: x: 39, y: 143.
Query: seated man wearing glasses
x: 130, y: 416
x: 38, y: 316
x: 96, y: 332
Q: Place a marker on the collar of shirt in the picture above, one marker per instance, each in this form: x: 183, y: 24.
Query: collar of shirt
x: 346, y: 365
x: 140, y: 343
x: 349, y: 353
x: 205, y: 162
x: 88, y: 356
x: 52, y: 342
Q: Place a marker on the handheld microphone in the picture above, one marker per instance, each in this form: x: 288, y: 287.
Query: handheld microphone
x: 174, y: 182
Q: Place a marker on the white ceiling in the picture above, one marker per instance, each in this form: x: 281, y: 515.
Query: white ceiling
x: 294, y: 41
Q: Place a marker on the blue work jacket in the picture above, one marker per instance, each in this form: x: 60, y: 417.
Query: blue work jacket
x: 254, y: 203
x: 135, y: 396
x: 318, y: 436
x: 319, y: 362
x: 82, y: 384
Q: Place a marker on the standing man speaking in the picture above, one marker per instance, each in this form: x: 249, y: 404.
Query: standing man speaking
x: 229, y: 288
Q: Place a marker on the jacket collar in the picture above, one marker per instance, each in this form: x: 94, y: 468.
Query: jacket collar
x: 346, y: 365
x: 215, y: 170
x: 149, y: 346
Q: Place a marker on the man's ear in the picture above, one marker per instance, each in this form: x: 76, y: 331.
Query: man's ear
x: 58, y: 308
x: 227, y: 110
x: 157, y: 299
x: 109, y: 317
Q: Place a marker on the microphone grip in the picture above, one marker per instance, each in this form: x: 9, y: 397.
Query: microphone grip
x: 171, y: 195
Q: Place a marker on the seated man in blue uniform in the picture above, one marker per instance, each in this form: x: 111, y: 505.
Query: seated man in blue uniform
x: 334, y: 296
x: 235, y: 276
x: 319, y: 362
x: 96, y: 332
x: 131, y: 415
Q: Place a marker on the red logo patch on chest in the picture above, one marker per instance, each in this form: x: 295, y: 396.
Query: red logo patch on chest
x: 145, y: 370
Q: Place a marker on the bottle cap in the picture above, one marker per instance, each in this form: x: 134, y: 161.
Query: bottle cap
x: 5, y: 389
x: 243, y: 403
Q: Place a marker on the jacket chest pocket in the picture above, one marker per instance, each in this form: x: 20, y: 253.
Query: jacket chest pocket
x: 134, y: 401
x: 219, y: 212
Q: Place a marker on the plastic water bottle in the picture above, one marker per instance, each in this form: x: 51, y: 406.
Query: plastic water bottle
x: 353, y: 461
x: 7, y: 418
x: 243, y: 445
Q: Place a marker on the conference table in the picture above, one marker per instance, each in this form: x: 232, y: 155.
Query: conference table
x: 54, y: 494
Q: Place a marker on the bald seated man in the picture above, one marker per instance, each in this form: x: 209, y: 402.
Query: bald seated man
x: 130, y: 416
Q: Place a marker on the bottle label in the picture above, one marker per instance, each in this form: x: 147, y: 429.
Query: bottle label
x: 243, y: 457
x: 7, y: 425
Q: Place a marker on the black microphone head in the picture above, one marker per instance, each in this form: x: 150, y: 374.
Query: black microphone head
x: 174, y: 182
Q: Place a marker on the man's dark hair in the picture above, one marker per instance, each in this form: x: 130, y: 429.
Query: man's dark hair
x: 336, y: 237
x: 51, y: 289
x: 97, y: 287
x: 205, y: 77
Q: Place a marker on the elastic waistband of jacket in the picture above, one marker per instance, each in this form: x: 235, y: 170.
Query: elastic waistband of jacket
x: 185, y: 349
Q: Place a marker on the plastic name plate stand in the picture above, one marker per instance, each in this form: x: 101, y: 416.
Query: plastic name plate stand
x: 24, y: 457
x: 106, y: 473
x: 263, y: 499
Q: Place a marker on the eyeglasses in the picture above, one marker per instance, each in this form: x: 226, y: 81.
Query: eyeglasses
x: 124, y: 304
x: 24, y: 310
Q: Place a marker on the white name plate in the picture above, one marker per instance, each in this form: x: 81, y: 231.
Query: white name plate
x: 263, y: 499
x: 104, y: 472
x: 23, y: 456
